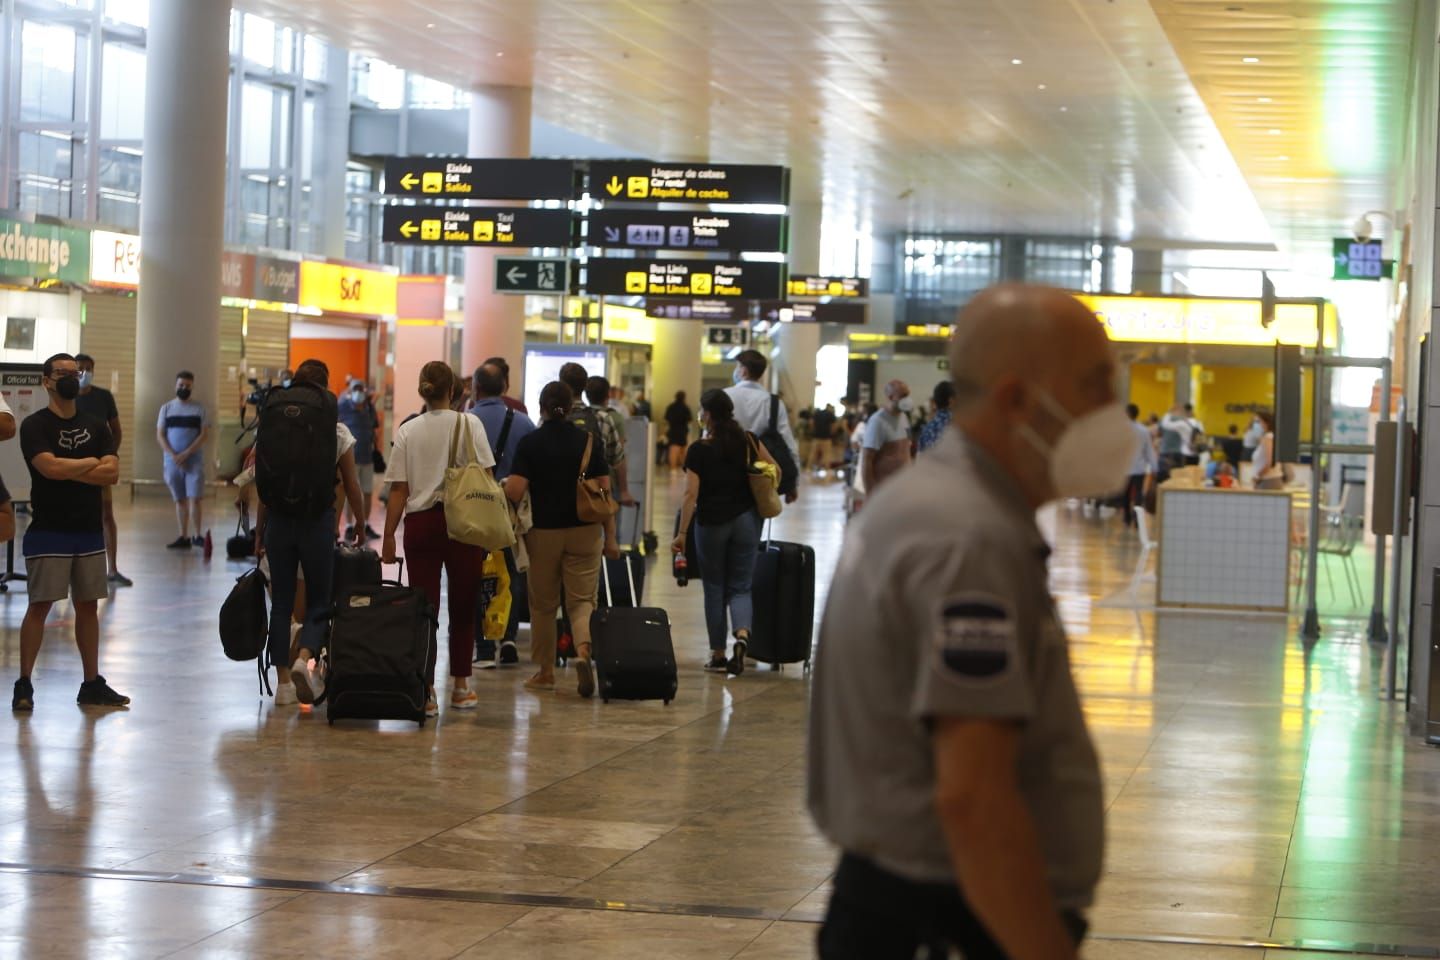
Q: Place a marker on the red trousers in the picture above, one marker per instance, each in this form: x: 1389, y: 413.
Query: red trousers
x: 428, y: 548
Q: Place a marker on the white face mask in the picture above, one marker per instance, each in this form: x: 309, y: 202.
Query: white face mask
x: 86, y: 378
x: 906, y: 405
x: 1091, y: 457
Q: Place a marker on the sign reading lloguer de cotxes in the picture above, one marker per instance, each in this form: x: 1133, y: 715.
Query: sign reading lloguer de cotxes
x: 651, y: 182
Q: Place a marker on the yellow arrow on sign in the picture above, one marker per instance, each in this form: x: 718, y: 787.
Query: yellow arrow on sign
x: 408, y: 229
x: 614, y: 186
x: 409, y: 180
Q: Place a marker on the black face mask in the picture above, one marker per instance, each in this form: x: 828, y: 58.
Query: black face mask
x: 67, y: 387
x: 183, y: 393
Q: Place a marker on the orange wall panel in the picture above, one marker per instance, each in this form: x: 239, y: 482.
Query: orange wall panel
x: 343, y: 357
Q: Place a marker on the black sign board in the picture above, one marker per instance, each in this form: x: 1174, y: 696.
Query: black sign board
x: 532, y: 275
x: 847, y: 288
x: 523, y: 179
x: 727, y: 336
x: 751, y: 232
x: 478, y: 226
x: 643, y: 180
x: 714, y: 311
x: 785, y: 311
x: 714, y: 279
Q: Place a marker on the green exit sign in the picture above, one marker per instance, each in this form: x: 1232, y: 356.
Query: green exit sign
x: 1359, y: 260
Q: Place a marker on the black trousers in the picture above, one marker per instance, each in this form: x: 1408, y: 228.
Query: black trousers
x: 1134, y: 497
x: 876, y: 915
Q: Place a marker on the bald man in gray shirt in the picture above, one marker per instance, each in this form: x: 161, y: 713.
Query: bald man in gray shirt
x: 949, y: 758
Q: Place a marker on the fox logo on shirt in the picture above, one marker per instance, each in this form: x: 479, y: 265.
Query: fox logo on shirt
x: 74, y: 439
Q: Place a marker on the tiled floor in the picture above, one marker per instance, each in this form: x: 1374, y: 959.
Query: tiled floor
x: 1256, y: 794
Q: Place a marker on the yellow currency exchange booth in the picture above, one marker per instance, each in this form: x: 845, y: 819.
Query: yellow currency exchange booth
x: 1213, y: 351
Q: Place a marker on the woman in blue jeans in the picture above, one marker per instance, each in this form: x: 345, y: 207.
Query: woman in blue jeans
x: 718, y: 498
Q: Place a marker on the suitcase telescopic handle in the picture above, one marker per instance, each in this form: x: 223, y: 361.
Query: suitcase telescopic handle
x: 399, y: 571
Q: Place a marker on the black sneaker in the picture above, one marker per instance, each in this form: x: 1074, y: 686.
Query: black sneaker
x: 120, y: 580
x: 717, y: 663
x: 97, y: 693
x: 197, y: 541
x: 24, y: 698
x: 181, y: 543
x: 350, y: 533
x: 509, y: 655
x: 371, y: 533
x: 736, y: 664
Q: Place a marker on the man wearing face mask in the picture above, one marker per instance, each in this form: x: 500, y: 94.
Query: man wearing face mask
x: 99, y: 403
x: 357, y: 412
x: 757, y: 411
x: 953, y: 767
x: 181, y: 430
x: 70, y: 456
x: 887, y: 449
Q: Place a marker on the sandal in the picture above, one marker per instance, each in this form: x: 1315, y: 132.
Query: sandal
x: 538, y: 682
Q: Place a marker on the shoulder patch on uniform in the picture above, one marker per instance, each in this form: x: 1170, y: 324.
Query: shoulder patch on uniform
x: 976, y: 637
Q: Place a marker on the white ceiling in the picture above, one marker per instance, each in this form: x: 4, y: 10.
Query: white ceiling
x: 908, y: 112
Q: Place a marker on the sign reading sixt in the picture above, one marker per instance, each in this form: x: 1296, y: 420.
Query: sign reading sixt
x: 478, y: 226
x: 524, y: 179
x: 688, y: 183
x: 752, y: 232
x: 747, y: 280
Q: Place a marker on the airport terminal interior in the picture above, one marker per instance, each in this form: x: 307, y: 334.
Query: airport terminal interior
x: 1244, y: 194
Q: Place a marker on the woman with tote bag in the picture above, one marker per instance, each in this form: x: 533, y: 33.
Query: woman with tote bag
x: 420, y: 460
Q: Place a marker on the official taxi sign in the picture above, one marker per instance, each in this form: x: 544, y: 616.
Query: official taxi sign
x: 847, y: 288
x: 721, y: 280
x: 478, y: 226
x: 532, y: 275
x: 480, y: 179
x: 675, y: 230
x: 652, y: 182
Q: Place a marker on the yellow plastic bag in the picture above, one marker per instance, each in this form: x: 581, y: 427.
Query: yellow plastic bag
x: 495, y: 588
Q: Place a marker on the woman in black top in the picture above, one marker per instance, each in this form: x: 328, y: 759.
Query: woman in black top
x: 677, y: 431
x: 565, y: 553
x: 717, y: 496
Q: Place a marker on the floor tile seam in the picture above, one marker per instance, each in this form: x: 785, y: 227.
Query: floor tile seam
x: 230, y: 926
x: 1341, y: 948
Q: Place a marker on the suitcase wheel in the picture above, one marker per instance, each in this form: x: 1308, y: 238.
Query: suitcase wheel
x: 421, y: 723
x: 667, y: 703
x: 604, y: 699
x: 332, y: 721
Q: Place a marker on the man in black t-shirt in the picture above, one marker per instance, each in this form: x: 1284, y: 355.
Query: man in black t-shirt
x: 71, y: 456
x: 99, y: 403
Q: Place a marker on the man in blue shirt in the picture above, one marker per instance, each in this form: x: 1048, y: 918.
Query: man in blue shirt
x: 357, y: 411
x: 1142, y: 469
x: 181, y: 430
x: 506, y: 427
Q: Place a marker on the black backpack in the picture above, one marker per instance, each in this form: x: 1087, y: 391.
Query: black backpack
x: 587, y: 419
x: 780, y: 451
x: 295, y: 451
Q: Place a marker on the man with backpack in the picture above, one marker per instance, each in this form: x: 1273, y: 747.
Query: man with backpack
x: 762, y: 413
x: 598, y: 422
x: 300, y: 446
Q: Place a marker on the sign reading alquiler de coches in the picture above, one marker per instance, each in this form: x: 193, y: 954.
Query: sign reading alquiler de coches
x: 44, y: 251
x: 651, y: 182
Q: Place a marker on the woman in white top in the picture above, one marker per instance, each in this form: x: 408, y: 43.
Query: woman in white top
x: 1268, y: 475
x: 416, y: 475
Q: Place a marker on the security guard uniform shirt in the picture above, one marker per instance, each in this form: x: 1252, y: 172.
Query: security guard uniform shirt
x: 940, y: 608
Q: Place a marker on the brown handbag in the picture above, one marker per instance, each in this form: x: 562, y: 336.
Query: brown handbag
x: 593, y: 503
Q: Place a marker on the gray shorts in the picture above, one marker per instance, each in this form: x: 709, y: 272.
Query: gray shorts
x: 50, y: 579
x: 366, y: 472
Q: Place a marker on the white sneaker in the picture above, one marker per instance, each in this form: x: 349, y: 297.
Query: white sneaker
x: 488, y: 664
x: 309, y: 685
x: 285, y: 695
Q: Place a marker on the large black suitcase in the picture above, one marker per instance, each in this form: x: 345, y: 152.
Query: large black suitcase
x: 380, y: 641
x: 632, y: 651
x: 783, y: 590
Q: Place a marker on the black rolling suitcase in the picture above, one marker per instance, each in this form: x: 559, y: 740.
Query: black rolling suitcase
x: 379, y: 654
x: 627, y: 575
x: 633, y: 655
x: 784, y: 595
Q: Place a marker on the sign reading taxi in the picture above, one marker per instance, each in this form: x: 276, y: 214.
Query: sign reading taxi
x: 650, y: 182
x: 343, y: 288
x: 848, y: 288
x: 743, y: 280
x: 481, y: 179
x: 478, y: 226
x: 673, y: 230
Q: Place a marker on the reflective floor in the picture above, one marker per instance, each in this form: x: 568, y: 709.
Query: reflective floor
x: 1255, y: 794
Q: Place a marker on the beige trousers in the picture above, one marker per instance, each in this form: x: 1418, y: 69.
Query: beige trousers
x: 562, y: 562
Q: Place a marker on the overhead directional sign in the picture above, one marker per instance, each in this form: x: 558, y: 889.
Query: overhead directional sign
x: 849, y: 288
x: 532, y: 275
x: 714, y: 311
x: 478, y: 226
x: 785, y: 311
x: 1359, y: 260
x: 644, y: 180
x: 727, y: 336
x: 487, y: 179
x: 751, y: 232
x: 735, y: 280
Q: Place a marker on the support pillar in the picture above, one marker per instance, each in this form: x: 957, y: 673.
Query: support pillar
x: 796, y: 344
x: 182, y: 214
x: 495, y: 323
x: 675, y: 365
x: 1147, y: 271
x: 334, y: 143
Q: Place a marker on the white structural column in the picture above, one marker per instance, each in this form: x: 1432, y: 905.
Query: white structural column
x: 334, y: 144
x: 495, y: 323
x: 182, y: 212
x: 797, y: 344
x: 675, y: 365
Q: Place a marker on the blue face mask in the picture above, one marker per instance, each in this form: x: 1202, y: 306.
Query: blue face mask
x: 735, y: 376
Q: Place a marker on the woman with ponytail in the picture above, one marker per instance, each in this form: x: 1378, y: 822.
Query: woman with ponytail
x: 565, y: 552
x: 727, y: 527
x: 416, y: 475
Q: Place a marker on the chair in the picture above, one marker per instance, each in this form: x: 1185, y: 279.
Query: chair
x: 1147, y: 547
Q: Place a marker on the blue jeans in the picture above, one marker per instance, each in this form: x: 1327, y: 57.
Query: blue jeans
x: 293, y: 544
x: 727, y: 566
